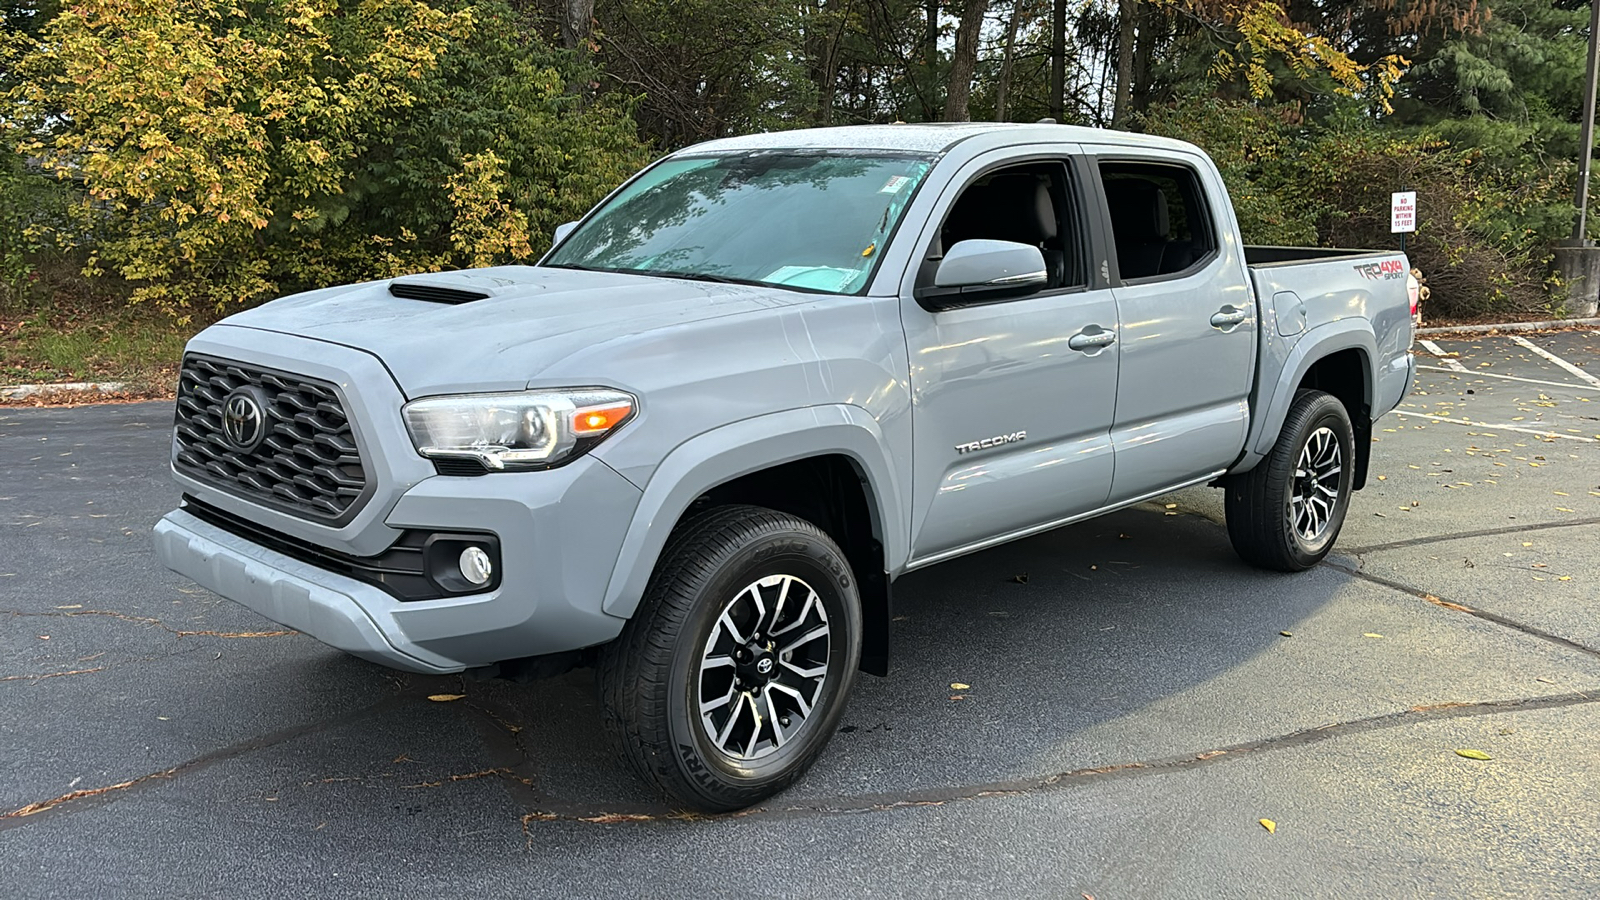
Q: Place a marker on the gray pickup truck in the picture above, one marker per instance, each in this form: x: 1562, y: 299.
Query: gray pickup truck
x: 698, y: 441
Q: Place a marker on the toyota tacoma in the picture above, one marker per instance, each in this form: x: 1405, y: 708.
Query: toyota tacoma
x: 698, y: 441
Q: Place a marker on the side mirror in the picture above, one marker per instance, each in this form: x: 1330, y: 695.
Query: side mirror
x: 562, y: 231
x: 979, y: 267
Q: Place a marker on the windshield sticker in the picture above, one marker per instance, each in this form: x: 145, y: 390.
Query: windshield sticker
x: 894, y: 184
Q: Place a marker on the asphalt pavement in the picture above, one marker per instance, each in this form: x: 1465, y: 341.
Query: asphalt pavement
x: 1138, y: 701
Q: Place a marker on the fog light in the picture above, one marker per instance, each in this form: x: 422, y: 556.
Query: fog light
x: 475, y: 566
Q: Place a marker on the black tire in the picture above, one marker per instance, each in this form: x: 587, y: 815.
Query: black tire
x: 1266, y: 523
x: 655, y: 675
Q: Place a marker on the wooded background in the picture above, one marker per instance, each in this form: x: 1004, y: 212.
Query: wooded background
x: 202, y: 154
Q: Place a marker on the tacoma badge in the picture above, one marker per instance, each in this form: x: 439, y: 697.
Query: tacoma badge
x: 995, y: 441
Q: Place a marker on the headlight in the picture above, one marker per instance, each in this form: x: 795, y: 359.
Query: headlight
x: 522, y: 430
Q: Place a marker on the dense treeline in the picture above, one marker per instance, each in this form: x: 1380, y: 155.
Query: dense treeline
x: 199, y: 154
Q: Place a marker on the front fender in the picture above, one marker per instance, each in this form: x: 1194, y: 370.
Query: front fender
x: 1272, y: 399
x: 750, y: 445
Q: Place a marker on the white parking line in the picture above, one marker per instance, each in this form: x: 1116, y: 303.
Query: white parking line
x: 1560, y: 384
x: 1453, y: 365
x: 1499, y: 427
x: 1556, y: 359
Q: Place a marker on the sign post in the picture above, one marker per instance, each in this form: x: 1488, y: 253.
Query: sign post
x: 1402, y: 215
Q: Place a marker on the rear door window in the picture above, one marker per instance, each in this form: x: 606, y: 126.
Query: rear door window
x: 1160, y: 221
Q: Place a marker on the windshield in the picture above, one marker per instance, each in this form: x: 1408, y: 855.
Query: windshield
x: 808, y: 220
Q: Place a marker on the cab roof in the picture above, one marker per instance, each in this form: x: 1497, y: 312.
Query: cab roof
x: 936, y: 137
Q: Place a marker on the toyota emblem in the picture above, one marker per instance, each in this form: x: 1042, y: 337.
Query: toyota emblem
x: 764, y: 666
x: 244, y: 419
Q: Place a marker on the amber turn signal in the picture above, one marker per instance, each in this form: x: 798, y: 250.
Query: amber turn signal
x: 599, y: 419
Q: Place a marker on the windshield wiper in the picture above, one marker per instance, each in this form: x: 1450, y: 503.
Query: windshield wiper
x: 703, y: 276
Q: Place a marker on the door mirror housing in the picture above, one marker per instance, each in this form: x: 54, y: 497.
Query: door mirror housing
x: 979, y: 270
x: 562, y: 230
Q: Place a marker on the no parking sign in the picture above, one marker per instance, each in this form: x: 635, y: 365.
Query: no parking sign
x: 1402, y: 212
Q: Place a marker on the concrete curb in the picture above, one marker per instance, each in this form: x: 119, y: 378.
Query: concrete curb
x: 1508, y: 326
x: 24, y: 391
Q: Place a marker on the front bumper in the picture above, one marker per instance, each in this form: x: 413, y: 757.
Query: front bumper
x: 322, y: 604
x: 560, y: 532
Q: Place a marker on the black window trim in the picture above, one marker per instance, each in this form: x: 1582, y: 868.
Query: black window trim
x: 1210, y: 219
x: 1077, y: 202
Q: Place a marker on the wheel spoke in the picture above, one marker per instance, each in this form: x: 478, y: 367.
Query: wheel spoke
x: 733, y: 719
x: 808, y: 637
x: 816, y: 671
x: 727, y: 622
x: 771, y: 625
x: 707, y: 706
x: 805, y: 705
x: 755, y: 731
x: 779, y: 735
x: 805, y: 611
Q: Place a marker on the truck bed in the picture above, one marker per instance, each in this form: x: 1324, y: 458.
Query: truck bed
x: 1261, y: 256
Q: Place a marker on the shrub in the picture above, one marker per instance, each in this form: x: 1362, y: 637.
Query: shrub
x: 224, y: 153
x: 1483, y: 229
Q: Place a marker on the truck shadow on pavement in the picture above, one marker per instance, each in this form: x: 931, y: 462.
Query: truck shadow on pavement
x: 1008, y: 666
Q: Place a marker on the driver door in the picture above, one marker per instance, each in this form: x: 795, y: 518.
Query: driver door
x: 1013, y: 398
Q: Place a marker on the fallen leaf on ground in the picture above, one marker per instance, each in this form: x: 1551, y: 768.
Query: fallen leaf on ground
x: 1470, y: 753
x: 1269, y: 825
x: 1287, y: 633
x: 958, y: 686
x: 1372, y: 634
x: 445, y: 698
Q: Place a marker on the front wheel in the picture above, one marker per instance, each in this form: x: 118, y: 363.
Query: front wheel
x: 1286, y: 512
x: 731, y: 677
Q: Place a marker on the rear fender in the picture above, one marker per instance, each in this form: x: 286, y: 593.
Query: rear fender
x: 1272, y: 399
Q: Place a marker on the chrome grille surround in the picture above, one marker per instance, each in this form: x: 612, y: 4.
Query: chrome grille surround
x: 309, y: 464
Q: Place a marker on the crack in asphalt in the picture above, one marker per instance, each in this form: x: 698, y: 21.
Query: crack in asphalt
x: 145, y: 620
x: 44, y: 675
x: 1465, y: 535
x: 1436, y: 600
x: 72, y: 801
x: 869, y: 803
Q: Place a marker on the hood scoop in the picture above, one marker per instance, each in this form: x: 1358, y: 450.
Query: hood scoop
x: 435, y: 293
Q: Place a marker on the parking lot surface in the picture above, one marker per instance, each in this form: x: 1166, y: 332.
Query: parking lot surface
x: 1138, y: 702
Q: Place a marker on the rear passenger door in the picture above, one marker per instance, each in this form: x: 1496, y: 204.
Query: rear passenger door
x: 1013, y: 396
x: 1187, y: 319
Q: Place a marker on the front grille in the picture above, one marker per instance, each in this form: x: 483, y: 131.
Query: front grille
x: 307, y: 464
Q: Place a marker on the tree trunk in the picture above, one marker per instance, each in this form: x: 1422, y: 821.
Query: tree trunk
x: 1151, y: 34
x: 930, y: 36
x: 824, y: 35
x: 576, y: 25
x: 1125, y: 38
x: 964, y: 61
x: 1003, y: 84
x: 1058, y: 60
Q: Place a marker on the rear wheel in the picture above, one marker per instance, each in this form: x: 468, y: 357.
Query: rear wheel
x: 731, y: 677
x: 1286, y: 512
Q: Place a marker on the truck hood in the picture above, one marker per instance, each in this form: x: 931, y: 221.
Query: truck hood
x: 531, y: 319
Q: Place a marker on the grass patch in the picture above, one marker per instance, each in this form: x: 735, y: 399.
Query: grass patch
x: 92, y: 343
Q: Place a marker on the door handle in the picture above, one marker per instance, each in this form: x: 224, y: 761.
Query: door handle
x: 1228, y: 316
x: 1091, y: 339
